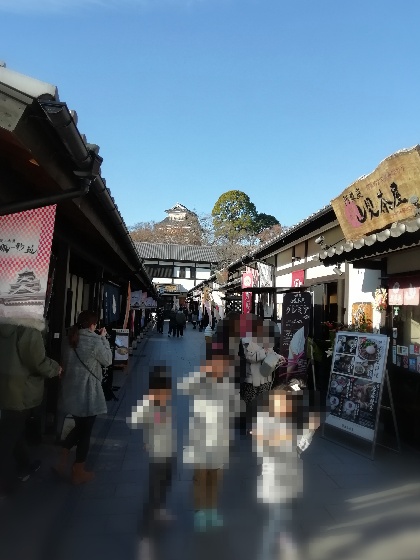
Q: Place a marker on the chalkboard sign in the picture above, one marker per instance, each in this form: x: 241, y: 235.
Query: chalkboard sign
x: 356, y: 382
x: 295, y: 323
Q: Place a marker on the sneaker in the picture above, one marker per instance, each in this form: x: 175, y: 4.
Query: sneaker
x: 32, y: 469
x: 200, y: 520
x: 214, y: 518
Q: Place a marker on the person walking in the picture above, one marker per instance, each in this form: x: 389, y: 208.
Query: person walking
x: 215, y: 403
x: 283, y: 429
x: 256, y: 346
x: 172, y: 322
x: 154, y: 415
x: 82, y: 393
x: 180, y: 321
x: 194, y: 319
x: 24, y: 367
x: 159, y: 320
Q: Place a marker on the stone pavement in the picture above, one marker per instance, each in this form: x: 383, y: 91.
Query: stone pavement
x: 352, y: 509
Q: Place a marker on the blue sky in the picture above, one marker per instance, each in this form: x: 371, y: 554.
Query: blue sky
x: 287, y: 101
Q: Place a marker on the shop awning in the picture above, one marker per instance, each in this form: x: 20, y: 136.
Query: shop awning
x: 400, y: 235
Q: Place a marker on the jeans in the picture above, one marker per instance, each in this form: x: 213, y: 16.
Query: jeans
x: 80, y: 436
x: 179, y: 330
x: 13, y: 447
x: 160, y: 479
x: 278, y: 527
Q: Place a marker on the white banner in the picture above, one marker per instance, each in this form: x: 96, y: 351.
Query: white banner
x: 265, y: 273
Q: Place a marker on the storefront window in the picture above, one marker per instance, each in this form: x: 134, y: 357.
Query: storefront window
x: 406, y: 322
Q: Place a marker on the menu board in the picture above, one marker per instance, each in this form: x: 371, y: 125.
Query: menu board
x: 121, y: 345
x: 355, y: 388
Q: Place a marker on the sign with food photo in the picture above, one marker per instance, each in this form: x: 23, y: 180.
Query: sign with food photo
x: 356, y: 381
x: 121, y: 345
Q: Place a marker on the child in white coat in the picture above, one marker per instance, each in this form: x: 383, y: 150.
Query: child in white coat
x: 214, y: 405
x: 282, y: 430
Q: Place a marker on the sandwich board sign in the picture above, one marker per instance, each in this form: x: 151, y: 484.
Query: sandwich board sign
x: 358, y: 375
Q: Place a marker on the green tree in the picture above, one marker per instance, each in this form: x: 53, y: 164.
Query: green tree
x: 234, y: 215
x: 265, y: 221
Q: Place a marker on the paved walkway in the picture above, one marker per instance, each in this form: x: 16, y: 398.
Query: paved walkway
x: 353, y: 508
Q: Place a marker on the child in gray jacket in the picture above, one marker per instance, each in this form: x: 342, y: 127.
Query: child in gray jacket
x: 154, y: 415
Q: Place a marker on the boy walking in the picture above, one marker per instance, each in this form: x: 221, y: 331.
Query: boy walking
x: 154, y: 415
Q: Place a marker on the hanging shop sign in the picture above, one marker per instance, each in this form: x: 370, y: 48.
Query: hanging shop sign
x: 377, y: 200
x: 136, y: 299
x: 121, y: 345
x: 25, y: 251
x: 265, y: 273
x: 111, y: 303
x: 356, y: 382
x: 298, y: 278
x: 404, y: 291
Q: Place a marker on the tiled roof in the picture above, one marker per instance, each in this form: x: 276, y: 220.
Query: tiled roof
x: 170, y: 252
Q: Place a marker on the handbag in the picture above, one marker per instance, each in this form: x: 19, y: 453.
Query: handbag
x: 269, y: 364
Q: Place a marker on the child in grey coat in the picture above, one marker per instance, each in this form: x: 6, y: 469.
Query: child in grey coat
x: 154, y: 415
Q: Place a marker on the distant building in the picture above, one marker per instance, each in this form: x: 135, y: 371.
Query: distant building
x: 176, y: 269
x: 181, y: 224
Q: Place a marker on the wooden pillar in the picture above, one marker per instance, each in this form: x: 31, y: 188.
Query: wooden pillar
x: 57, y: 333
x: 59, y: 303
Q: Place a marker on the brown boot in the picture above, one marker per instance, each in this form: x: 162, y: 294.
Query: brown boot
x: 79, y: 475
x: 61, y: 467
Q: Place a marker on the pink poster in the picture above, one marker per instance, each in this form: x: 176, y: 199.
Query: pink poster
x: 25, y: 250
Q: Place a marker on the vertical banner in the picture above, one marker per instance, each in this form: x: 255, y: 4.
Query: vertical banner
x: 111, y: 303
x: 127, y: 307
x: 298, y: 278
x: 295, y: 324
x: 247, y: 282
x: 25, y: 251
x: 355, y: 388
x: 265, y: 272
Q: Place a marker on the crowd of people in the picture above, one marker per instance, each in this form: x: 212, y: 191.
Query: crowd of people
x: 235, y: 381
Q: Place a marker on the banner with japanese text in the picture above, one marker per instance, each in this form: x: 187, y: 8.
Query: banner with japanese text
x: 381, y: 198
x: 25, y: 251
x: 247, y: 282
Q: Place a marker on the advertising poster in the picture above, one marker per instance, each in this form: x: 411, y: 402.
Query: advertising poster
x: 357, y: 375
x: 25, y: 251
x: 295, y: 323
x: 121, y: 345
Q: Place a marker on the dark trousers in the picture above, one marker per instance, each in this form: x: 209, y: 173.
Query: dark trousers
x: 13, y: 447
x: 80, y: 436
x: 179, y: 330
x: 160, y: 479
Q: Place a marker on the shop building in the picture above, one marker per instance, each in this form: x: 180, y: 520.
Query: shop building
x: 380, y: 215
x: 46, y: 161
x: 176, y: 269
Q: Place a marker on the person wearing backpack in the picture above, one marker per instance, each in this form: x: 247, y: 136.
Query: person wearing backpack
x: 180, y: 321
x: 24, y: 367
